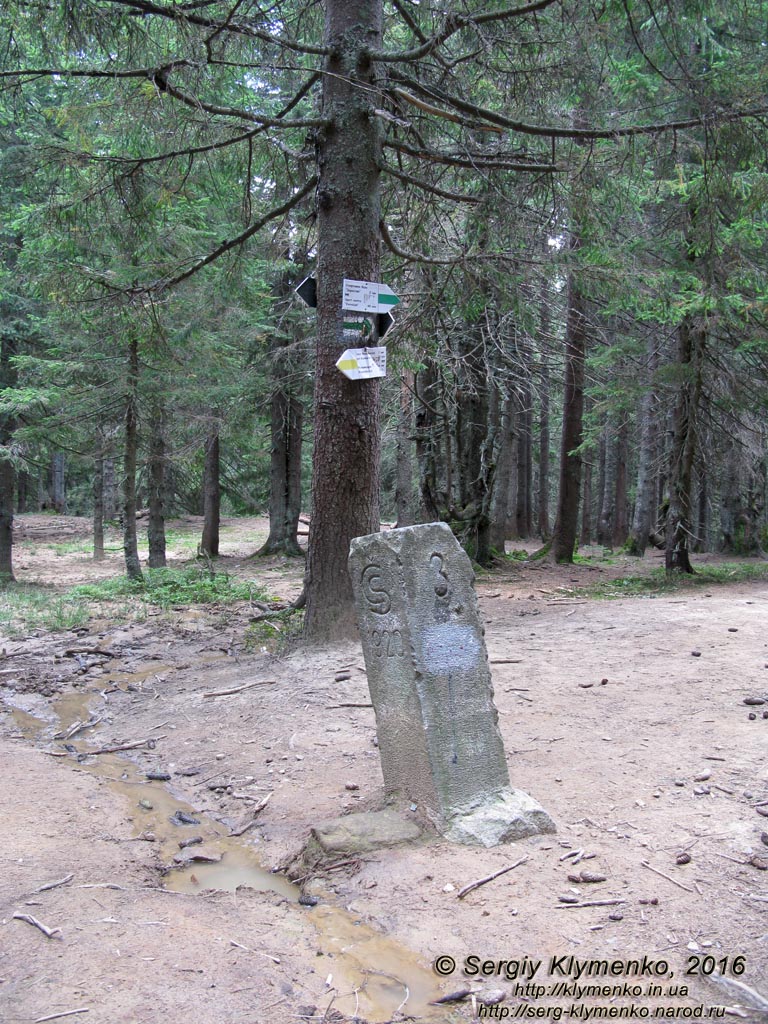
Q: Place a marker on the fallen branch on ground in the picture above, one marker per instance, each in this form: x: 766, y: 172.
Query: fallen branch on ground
x: 133, y: 745
x: 98, y: 651
x: 489, y: 878
x: 48, y: 932
x: 669, y: 878
x: 65, y: 1013
x: 55, y: 885
x: 589, y: 903
x: 254, y: 810
x: 239, y: 689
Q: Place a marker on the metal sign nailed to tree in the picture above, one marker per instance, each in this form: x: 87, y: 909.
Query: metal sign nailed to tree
x: 363, y: 363
x: 367, y: 297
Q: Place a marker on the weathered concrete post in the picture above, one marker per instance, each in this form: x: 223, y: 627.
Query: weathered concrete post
x: 430, y: 683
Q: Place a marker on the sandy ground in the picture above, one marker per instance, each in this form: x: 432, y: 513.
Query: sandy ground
x: 625, y: 719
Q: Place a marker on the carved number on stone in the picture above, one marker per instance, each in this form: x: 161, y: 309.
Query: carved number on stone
x: 442, y: 587
x: 376, y: 595
x: 386, y: 642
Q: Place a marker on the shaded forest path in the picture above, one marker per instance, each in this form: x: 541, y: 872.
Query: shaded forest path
x: 625, y: 719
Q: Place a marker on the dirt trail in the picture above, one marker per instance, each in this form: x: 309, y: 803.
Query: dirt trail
x: 640, y: 749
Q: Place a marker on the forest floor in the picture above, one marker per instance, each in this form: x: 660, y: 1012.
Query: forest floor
x: 625, y: 718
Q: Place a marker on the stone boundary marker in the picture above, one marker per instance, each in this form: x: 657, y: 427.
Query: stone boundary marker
x: 440, y: 745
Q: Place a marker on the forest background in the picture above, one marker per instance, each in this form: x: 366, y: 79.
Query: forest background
x: 569, y: 198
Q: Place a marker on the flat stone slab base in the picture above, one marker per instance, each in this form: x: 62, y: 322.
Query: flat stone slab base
x: 359, y: 833
x: 501, y: 818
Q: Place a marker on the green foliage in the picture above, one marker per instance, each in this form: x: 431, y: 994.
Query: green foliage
x: 25, y: 609
x: 658, y: 583
x: 174, y: 588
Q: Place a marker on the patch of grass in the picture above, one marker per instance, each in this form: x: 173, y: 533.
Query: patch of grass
x: 72, y: 547
x: 24, y: 609
x: 657, y: 581
x: 173, y: 587
x: 275, y: 635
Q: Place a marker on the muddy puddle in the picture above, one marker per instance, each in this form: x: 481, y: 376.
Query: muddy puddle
x: 370, y: 975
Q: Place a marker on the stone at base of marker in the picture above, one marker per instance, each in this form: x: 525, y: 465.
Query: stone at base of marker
x: 500, y: 818
x: 363, y: 832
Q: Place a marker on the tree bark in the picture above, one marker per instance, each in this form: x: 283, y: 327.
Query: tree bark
x: 110, y: 489
x: 566, y: 525
x: 644, y: 484
x: 505, y: 456
x: 585, y: 535
x: 156, y: 475
x: 620, y: 510
x: 8, y: 379
x: 691, y: 342
x: 58, y: 483
x: 211, y: 495
x: 98, y: 509
x: 543, y: 495
x: 286, y: 419
x: 607, y: 495
x: 426, y: 444
x: 130, y: 541
x: 345, y: 485
x: 404, y: 498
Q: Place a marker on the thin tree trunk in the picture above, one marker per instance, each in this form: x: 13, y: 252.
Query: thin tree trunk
x: 504, y: 466
x: 607, y: 491
x: 691, y: 340
x: 8, y: 379
x: 211, y: 496
x: 286, y: 417
x: 644, y: 489
x: 566, y: 525
x: 426, y: 444
x: 404, y: 499
x: 110, y: 489
x: 58, y: 485
x: 543, y: 496
x: 620, y: 509
x: 22, y: 490
x: 157, y: 463
x: 345, y: 486
x: 703, y: 511
x: 98, y: 509
x: 585, y: 536
x: 130, y: 541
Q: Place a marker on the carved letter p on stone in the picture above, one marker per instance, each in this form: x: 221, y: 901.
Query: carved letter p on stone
x: 439, y: 740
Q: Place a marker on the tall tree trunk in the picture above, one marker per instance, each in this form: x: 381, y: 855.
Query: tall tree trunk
x: 156, y: 476
x: 566, y: 524
x: 345, y: 485
x: 607, y: 495
x: 286, y: 419
x: 691, y: 340
x: 585, y: 536
x: 524, y: 503
x: 404, y: 498
x: 644, y: 484
x: 703, y: 511
x: 98, y: 508
x: 211, y: 495
x: 110, y: 489
x: 8, y: 379
x: 130, y: 541
x: 620, y: 509
x: 505, y: 455
x: 58, y: 483
x: 22, y: 490
x: 543, y: 496
x: 426, y: 443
